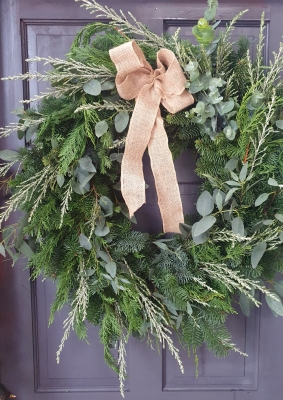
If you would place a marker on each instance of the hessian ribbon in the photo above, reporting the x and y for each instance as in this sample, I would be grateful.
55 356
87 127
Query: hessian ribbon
166 85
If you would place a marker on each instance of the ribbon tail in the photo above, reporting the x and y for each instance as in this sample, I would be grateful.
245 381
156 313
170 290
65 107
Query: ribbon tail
141 125
169 199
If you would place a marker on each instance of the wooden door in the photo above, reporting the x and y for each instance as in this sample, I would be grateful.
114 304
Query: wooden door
27 345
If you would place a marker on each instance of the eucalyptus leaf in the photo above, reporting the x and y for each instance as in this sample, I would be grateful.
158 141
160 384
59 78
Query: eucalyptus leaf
114 286
244 302
189 308
232 164
2 250
25 249
233 183
107 85
21 132
234 176
205 203
210 13
102 231
272 182
201 238
102 254
279 123
84 242
230 133
121 121
261 199
230 194
86 164
257 253
274 303
92 87
116 157
225 107
20 232
111 268
219 201
179 321
87 179
203 225
161 245
30 132
279 217
9 155
281 236
267 222
100 128
185 229
106 204
243 172
278 287
77 188
60 180
107 277
238 226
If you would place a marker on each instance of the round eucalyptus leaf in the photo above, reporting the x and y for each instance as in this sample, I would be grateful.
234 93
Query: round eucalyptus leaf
210 13
121 121
229 133
100 128
279 123
92 87
205 203
86 164
107 85
84 242
102 231
9 155
106 204
279 217
203 225
111 268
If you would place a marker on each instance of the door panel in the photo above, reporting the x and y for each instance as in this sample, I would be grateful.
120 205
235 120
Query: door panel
27 346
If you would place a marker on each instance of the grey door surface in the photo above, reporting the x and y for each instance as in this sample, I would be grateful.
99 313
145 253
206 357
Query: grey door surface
27 345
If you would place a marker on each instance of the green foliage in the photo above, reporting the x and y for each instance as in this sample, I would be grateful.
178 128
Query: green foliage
76 228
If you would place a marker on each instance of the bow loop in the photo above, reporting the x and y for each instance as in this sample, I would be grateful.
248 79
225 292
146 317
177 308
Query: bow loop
136 79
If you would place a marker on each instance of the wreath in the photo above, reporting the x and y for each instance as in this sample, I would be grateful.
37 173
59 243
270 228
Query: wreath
78 182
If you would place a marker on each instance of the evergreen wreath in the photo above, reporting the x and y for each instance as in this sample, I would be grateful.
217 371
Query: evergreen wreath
76 228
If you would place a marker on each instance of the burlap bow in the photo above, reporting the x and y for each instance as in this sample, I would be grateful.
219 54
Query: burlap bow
137 80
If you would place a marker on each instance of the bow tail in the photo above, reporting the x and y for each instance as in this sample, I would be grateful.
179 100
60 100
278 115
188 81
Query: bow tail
169 199
141 125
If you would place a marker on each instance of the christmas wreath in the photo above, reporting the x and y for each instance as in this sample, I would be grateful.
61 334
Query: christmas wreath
79 181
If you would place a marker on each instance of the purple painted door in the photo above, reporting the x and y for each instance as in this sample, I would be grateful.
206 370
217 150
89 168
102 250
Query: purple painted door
27 345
